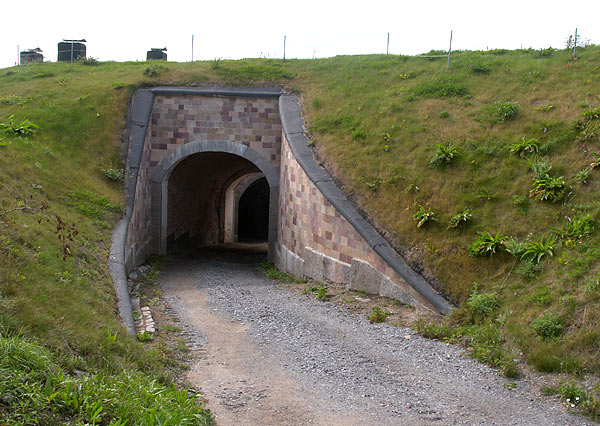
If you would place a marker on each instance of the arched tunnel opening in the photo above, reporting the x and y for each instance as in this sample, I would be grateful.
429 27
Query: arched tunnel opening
253 212
215 198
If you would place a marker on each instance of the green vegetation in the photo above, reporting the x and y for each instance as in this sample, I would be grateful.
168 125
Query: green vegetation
319 291
378 314
376 120
273 274
423 215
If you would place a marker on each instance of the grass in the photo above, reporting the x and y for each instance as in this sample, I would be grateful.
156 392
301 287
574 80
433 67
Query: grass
376 120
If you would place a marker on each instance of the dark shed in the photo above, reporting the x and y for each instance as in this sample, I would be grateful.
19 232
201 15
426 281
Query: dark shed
32 56
156 54
64 51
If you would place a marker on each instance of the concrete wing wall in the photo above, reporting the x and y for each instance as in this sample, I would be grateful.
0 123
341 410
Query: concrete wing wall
321 234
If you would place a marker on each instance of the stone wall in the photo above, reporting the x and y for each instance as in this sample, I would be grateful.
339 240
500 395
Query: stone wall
315 240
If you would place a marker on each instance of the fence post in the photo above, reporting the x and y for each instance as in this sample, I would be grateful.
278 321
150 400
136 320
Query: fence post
575 45
450 50
387 50
284 39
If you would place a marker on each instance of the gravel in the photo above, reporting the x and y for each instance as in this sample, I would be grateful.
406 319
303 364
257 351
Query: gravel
345 362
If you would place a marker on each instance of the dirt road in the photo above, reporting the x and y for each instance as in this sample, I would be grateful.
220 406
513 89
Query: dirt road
268 356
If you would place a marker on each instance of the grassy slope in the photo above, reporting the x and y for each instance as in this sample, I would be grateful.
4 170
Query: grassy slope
82 114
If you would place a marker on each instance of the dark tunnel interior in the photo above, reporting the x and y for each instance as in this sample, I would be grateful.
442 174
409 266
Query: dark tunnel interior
253 214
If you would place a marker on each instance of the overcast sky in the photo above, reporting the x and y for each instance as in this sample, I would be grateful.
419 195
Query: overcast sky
124 30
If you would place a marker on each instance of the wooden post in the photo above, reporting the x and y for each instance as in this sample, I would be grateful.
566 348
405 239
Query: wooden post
575 45
387 50
450 50
284 40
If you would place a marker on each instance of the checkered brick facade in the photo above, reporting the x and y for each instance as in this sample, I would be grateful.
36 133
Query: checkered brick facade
254 122
308 219
179 119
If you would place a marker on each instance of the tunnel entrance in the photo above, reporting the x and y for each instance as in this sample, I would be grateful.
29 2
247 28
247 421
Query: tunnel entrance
197 200
253 212
195 194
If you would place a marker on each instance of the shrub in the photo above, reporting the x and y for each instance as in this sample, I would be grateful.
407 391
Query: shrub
525 147
441 88
535 251
486 243
443 155
423 216
89 61
547 188
549 326
498 112
483 303
460 218
378 314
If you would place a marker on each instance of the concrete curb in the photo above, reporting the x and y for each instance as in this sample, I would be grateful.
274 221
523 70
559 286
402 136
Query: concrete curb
293 127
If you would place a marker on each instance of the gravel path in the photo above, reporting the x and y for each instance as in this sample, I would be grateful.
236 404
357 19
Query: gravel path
265 356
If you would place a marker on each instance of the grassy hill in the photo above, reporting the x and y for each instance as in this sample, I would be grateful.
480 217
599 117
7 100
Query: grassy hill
402 135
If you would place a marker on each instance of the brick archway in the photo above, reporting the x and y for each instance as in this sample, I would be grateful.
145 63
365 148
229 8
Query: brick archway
160 182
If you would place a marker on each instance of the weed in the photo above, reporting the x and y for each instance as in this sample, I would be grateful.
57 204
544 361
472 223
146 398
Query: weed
592 286
544 108
575 228
155 70
525 147
548 326
24 129
498 112
378 314
359 134
596 162
521 202
483 303
444 114
114 174
460 219
170 328
573 394
412 188
423 215
319 291
145 336
535 251
583 175
548 188
443 155
539 166
13 100
486 244
443 87
374 183
515 247
317 103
